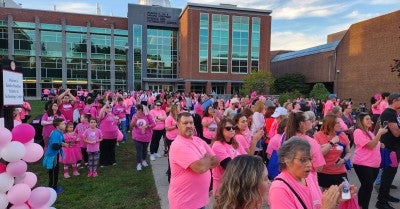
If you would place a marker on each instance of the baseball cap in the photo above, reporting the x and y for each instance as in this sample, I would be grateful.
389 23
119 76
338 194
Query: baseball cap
234 100
269 103
279 111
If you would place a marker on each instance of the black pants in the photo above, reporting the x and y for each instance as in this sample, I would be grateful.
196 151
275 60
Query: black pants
155 140
107 152
169 142
53 175
84 156
388 175
367 176
141 151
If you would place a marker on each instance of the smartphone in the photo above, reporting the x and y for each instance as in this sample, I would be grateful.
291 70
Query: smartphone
385 123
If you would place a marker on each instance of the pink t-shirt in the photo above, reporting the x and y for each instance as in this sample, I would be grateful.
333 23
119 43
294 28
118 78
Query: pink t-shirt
274 143
188 189
328 107
242 141
318 159
46 91
93 135
119 111
79 129
343 126
47 129
109 126
170 121
160 124
382 106
139 134
273 130
281 197
128 103
223 151
210 131
67 109
333 154
198 110
362 154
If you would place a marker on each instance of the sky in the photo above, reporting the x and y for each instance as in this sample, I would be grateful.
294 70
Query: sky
296 24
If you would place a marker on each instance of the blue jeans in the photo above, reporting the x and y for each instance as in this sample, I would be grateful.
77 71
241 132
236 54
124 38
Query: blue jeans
122 127
378 178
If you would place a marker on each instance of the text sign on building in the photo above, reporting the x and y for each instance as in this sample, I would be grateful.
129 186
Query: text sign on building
160 18
13 93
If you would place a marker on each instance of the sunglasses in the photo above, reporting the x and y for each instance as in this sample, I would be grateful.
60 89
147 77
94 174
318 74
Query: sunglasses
230 128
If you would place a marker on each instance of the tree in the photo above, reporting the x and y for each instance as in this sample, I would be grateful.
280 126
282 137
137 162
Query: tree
319 92
290 83
284 97
260 81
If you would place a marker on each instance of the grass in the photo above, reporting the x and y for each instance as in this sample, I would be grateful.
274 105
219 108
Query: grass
119 186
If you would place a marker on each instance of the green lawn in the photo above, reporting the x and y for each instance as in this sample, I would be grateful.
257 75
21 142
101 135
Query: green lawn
119 186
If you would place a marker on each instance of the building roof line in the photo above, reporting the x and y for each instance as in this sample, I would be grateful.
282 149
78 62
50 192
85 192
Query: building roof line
225 7
304 52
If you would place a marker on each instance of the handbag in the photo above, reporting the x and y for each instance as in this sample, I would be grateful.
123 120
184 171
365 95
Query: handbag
273 163
350 204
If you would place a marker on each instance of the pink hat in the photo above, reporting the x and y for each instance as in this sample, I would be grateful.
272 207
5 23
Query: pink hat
377 96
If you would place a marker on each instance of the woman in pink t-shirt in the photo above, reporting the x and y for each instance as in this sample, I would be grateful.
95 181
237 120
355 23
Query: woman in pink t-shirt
225 148
209 123
295 164
276 141
159 117
47 122
333 143
243 136
170 125
245 184
298 124
109 127
367 157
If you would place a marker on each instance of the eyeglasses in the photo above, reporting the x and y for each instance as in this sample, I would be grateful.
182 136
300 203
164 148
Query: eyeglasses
304 160
230 128
158 104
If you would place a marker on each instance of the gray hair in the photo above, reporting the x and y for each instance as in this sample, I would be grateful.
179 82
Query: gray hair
290 148
336 110
311 115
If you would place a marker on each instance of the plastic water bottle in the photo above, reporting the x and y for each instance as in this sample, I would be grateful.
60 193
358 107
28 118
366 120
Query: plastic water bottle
346 190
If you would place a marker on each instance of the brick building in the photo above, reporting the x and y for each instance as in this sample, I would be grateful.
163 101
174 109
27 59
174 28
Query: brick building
355 64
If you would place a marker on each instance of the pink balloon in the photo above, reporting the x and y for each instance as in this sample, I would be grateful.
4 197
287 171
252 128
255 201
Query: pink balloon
5 136
120 136
13 151
23 133
33 152
17 168
53 197
2 168
30 179
18 194
39 197
22 206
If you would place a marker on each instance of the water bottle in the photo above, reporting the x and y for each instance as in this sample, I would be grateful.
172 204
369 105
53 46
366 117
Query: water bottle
346 190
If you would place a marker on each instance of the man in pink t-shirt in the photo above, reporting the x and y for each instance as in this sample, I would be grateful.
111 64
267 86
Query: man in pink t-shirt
191 160
66 102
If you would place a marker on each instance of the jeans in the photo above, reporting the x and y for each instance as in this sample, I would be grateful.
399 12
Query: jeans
122 127
388 175
378 178
141 151
366 175
155 140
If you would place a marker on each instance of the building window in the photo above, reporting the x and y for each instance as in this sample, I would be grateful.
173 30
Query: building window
137 55
51 43
218 88
240 44
162 53
3 38
255 44
219 43
203 42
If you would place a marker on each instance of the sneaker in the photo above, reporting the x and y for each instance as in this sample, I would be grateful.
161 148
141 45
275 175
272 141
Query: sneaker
114 164
76 173
393 186
94 174
390 198
117 143
139 167
144 163
152 157
66 175
158 155
59 190
383 205
90 174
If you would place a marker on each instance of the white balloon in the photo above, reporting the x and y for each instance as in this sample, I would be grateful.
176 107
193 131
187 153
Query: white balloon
5 136
53 197
3 201
6 182
13 151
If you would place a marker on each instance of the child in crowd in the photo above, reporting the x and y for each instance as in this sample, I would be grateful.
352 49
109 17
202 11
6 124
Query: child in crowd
92 138
50 159
72 152
79 129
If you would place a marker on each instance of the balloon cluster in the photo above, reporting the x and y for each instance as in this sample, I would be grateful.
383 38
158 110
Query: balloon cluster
16 184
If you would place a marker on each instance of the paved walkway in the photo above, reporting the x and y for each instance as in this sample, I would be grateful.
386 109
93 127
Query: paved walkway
160 165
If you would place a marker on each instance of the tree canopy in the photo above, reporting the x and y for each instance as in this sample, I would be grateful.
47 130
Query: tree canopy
260 81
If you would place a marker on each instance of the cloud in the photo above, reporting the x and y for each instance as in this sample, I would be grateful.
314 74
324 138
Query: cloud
289 40
76 7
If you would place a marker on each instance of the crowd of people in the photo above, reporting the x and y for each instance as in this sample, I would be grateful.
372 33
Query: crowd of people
224 146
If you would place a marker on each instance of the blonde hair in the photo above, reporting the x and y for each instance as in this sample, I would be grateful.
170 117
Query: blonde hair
259 106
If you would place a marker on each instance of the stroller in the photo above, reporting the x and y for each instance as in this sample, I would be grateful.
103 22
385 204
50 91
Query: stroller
36 123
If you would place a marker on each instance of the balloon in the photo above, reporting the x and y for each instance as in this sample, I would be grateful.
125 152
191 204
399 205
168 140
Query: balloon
18 194
120 136
2 167
29 179
5 136
33 152
40 196
13 151
21 206
23 133
53 197
3 201
17 168
6 182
